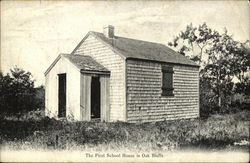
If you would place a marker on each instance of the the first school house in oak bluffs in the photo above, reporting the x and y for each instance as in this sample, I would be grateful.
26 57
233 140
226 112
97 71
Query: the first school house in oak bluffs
112 78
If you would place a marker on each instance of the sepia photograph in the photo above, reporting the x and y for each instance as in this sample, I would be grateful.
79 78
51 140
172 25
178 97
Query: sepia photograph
125 81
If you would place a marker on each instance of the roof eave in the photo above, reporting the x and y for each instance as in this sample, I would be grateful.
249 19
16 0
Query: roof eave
95 72
150 60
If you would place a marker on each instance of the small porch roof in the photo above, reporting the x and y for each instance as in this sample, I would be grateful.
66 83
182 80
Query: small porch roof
83 62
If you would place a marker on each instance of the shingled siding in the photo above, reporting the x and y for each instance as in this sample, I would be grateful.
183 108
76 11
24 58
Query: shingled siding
116 65
144 100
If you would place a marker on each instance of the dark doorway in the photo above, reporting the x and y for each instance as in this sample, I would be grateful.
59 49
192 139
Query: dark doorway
62 95
95 97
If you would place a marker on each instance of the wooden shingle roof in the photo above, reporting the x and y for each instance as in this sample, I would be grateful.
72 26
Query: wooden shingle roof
85 63
137 49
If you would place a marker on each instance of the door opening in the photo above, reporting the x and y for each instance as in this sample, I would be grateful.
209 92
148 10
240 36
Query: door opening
95 97
61 95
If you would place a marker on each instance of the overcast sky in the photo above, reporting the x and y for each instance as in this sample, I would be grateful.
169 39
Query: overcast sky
34 33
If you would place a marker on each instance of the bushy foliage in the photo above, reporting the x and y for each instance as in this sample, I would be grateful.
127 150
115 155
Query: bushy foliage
17 92
40 97
243 87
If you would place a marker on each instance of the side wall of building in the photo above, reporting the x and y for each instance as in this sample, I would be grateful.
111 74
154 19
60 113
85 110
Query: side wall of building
144 100
72 89
116 65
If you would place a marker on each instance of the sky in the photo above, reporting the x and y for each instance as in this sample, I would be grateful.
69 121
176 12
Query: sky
34 33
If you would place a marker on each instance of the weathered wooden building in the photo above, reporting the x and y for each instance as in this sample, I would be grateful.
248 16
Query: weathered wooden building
115 78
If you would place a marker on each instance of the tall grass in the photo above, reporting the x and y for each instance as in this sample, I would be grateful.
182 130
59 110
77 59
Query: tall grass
215 133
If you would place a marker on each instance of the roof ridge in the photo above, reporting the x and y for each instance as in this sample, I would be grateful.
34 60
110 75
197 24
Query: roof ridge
131 39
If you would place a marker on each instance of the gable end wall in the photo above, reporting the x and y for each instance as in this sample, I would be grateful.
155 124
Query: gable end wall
72 89
116 65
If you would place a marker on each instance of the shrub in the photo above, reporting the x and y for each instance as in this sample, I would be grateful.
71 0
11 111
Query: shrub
17 93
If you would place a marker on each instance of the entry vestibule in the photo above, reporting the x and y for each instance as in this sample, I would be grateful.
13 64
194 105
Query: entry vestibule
94 99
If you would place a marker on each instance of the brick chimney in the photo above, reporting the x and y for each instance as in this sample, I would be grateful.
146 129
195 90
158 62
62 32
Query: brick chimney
109 31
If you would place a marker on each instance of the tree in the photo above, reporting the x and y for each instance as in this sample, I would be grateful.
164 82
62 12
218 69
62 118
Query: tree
227 58
221 57
194 41
241 64
16 91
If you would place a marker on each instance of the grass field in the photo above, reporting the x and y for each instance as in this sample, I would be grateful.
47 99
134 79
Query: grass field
218 132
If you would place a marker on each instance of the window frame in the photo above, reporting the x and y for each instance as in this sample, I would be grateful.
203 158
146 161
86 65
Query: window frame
167 91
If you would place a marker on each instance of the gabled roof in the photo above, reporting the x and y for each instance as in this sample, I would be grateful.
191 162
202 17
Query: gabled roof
137 49
82 62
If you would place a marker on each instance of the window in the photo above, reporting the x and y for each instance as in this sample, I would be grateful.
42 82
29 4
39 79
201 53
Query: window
167 81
